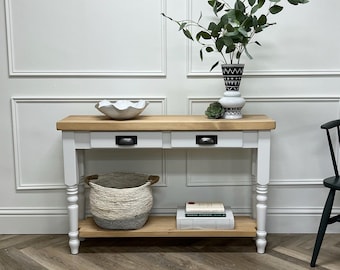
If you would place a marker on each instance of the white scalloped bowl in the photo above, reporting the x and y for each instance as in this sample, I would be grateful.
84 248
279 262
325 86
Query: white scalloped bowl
121 109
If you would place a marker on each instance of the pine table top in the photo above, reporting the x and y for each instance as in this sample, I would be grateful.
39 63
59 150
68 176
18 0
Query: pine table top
164 123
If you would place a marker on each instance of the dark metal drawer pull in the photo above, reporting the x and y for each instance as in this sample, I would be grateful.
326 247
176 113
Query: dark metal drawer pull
126 140
206 139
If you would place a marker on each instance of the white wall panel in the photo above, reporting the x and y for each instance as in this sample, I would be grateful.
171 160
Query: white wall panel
37 143
299 152
216 167
85 37
288 48
180 188
299 158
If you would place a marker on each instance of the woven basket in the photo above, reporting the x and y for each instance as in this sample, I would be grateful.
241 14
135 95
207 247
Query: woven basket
121 201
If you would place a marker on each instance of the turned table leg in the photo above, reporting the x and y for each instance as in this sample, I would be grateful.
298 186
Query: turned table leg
261 208
71 174
262 179
72 199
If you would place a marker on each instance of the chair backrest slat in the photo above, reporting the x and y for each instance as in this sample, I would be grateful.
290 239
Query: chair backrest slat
328 126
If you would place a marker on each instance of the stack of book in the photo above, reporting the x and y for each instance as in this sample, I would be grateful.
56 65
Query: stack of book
204 215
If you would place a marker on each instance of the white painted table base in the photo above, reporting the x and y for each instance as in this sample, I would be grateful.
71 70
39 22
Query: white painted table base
77 136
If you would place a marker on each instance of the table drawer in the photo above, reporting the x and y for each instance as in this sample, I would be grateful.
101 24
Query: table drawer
207 139
126 140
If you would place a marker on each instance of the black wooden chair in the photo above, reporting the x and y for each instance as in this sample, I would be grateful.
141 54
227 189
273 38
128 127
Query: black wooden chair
333 183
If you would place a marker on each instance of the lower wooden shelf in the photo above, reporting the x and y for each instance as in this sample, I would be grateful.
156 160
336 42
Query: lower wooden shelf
165 226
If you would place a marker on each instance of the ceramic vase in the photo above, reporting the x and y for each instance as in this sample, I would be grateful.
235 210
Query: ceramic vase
232 100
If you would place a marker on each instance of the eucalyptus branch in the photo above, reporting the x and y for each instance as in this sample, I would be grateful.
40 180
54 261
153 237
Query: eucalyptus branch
236 28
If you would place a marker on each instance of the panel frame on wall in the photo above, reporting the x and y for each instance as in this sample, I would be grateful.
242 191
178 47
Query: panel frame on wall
260 72
196 105
157 106
158 71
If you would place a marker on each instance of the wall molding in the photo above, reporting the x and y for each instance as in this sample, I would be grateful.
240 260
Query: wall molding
49 211
292 211
296 182
263 73
196 100
236 181
297 220
57 183
292 72
15 71
196 104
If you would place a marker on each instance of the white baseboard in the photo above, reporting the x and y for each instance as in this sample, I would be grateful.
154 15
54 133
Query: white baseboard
292 223
34 224
38 220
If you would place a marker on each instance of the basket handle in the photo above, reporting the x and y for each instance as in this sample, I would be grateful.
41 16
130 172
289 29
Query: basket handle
88 179
153 179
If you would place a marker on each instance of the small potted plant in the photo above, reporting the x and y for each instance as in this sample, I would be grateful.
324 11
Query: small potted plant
233 27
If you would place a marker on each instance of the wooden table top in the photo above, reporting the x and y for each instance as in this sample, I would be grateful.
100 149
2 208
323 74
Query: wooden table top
164 123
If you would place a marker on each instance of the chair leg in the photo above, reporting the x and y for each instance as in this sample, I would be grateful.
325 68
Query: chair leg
323 226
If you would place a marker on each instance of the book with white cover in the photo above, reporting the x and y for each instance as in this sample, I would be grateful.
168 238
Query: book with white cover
204 223
204 208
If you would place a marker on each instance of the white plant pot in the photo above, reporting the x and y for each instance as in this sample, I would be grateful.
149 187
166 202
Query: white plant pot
233 104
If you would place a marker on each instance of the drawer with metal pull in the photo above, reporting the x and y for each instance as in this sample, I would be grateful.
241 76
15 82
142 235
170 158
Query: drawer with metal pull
126 140
214 139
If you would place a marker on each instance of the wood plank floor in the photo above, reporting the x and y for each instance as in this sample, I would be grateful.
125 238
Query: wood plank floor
51 252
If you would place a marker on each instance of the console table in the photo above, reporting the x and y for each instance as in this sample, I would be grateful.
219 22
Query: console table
80 132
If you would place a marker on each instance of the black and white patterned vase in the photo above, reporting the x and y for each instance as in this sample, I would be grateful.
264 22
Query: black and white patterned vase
232 100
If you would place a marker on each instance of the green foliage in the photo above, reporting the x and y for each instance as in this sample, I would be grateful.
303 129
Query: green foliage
215 110
234 26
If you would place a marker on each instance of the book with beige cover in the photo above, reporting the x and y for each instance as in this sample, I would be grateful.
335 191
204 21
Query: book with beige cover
204 208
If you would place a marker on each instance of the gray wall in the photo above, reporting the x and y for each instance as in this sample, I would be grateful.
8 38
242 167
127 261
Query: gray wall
61 57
